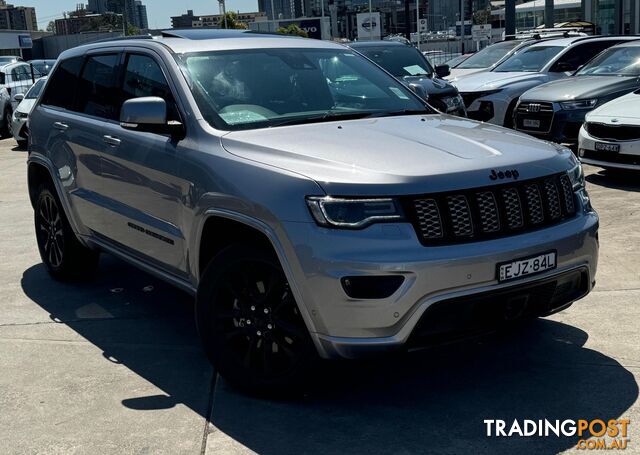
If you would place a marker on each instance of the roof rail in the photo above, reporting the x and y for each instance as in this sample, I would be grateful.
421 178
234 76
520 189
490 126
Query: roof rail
213 33
124 38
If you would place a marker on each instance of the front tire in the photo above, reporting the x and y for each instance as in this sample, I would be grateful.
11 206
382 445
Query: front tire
8 119
250 324
62 254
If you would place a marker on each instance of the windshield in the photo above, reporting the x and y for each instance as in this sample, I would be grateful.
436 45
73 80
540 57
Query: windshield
257 88
399 60
621 61
35 90
532 59
489 56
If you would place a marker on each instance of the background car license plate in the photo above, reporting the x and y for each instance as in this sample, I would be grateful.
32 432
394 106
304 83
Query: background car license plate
528 266
602 147
530 123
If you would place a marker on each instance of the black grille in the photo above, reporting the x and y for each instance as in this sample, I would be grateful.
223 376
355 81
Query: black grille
613 132
542 112
491 212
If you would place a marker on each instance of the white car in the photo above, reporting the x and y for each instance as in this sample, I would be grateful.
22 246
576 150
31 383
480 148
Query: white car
21 114
491 96
610 137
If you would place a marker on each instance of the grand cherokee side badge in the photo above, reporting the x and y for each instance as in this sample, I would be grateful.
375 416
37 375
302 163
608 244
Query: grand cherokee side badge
511 174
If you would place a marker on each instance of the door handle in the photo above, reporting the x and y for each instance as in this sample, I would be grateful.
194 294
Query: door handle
112 141
61 126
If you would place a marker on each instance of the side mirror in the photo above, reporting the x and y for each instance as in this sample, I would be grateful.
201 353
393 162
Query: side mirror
147 114
19 97
420 91
443 71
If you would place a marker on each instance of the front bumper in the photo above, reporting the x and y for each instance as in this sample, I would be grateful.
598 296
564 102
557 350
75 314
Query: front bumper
561 126
18 126
490 108
628 157
349 327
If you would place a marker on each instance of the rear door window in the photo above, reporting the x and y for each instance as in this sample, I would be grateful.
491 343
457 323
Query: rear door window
98 88
580 54
63 84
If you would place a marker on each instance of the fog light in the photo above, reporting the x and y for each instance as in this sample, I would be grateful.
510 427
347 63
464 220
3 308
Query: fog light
371 287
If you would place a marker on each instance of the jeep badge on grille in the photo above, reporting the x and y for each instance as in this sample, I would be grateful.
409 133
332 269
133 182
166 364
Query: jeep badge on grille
511 174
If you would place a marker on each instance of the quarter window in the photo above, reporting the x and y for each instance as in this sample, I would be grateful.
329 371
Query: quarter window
97 92
62 84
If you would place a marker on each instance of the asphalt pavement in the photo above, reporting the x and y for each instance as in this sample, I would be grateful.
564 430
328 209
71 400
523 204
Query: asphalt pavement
114 365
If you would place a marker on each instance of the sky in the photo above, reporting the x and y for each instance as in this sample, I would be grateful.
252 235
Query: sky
158 11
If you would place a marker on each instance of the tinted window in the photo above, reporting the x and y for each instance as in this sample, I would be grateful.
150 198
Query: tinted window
63 83
20 73
579 55
532 59
489 55
398 60
98 92
143 77
617 61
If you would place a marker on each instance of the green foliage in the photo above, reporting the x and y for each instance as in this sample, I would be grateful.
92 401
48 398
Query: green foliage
232 21
293 29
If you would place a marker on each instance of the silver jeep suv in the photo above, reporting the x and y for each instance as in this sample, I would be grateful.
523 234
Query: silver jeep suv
312 203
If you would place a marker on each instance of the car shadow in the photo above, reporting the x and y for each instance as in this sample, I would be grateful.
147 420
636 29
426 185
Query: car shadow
432 401
617 180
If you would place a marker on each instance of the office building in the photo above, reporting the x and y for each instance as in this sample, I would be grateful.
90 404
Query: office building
17 17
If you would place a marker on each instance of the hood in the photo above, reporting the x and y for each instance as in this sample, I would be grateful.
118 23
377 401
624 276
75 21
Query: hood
457 73
491 80
398 155
621 111
580 87
435 87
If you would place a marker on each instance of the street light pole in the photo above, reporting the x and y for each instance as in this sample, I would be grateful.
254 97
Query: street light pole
418 22
370 23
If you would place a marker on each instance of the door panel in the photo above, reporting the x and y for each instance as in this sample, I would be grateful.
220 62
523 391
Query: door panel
141 174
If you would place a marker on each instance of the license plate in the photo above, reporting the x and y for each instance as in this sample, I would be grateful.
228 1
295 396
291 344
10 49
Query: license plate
612 148
530 123
527 266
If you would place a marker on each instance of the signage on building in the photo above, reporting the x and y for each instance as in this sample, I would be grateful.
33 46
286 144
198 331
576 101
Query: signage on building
369 27
25 41
481 32
467 28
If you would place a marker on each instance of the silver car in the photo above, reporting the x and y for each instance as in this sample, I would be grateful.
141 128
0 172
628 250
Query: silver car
19 127
313 205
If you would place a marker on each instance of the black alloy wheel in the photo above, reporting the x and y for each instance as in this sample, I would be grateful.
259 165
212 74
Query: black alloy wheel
250 324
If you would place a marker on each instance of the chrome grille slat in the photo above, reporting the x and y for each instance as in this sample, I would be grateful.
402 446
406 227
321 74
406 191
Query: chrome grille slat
492 212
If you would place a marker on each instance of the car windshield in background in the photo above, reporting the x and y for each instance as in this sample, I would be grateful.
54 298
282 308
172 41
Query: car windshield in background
489 56
35 90
257 88
455 61
42 69
620 61
532 59
398 60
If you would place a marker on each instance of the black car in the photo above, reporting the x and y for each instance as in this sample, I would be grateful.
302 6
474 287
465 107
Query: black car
556 110
408 64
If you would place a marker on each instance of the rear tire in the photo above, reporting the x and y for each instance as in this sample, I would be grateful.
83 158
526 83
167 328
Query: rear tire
62 254
250 324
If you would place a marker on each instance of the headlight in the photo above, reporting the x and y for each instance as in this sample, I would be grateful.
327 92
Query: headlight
578 104
576 175
353 213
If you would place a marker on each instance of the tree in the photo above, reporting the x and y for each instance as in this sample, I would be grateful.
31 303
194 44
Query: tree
293 29
132 30
231 21
51 26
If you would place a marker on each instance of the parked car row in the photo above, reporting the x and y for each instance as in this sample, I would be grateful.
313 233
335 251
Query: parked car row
547 88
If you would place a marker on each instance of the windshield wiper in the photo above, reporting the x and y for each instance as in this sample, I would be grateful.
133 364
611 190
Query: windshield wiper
331 116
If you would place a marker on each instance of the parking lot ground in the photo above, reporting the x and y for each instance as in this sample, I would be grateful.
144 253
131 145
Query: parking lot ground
114 365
